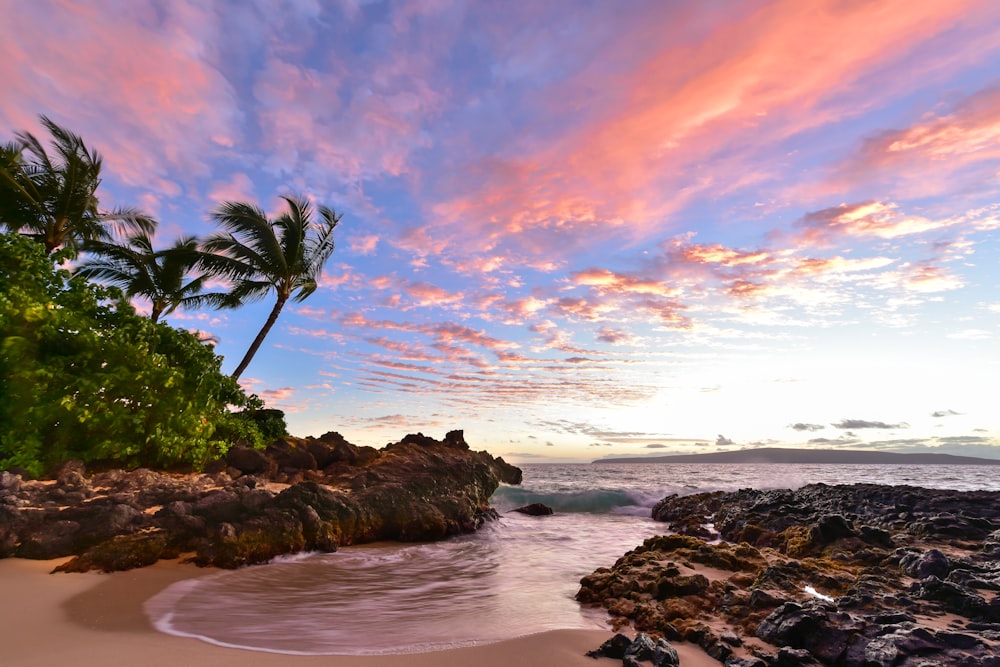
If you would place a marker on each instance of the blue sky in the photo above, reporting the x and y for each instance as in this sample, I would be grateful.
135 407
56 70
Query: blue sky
575 229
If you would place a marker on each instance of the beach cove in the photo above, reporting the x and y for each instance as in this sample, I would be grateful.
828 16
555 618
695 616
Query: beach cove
93 619
601 512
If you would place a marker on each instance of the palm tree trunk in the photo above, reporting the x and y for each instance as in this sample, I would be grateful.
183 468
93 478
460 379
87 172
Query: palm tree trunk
271 319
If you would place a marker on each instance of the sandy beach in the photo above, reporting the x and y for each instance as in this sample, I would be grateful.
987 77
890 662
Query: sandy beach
98 619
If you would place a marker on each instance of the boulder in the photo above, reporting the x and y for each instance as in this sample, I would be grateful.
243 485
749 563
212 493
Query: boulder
535 509
248 461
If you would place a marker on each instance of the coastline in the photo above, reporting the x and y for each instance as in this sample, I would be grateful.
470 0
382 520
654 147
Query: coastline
95 619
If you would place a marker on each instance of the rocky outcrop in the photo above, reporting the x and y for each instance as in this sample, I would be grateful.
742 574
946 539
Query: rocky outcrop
634 652
299 494
853 576
535 509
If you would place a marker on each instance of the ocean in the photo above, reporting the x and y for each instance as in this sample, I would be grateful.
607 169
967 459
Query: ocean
514 577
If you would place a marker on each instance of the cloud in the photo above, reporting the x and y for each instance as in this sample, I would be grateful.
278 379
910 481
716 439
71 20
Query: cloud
363 244
971 334
838 442
932 154
614 336
149 67
656 446
632 155
944 413
799 426
723 441
238 187
856 424
871 219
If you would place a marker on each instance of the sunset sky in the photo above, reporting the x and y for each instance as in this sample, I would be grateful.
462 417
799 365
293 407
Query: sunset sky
574 229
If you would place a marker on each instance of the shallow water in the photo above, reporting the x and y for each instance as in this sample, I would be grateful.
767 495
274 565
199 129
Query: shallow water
515 577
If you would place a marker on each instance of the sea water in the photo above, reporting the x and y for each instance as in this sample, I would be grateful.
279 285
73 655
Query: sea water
514 577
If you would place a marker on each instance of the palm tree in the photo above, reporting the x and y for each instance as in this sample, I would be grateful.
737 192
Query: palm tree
162 276
284 255
53 198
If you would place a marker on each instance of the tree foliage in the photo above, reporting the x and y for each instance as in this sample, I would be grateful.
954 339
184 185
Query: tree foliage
82 376
284 255
53 197
162 276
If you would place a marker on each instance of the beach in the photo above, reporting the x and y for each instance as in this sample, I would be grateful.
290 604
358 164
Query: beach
97 619
515 582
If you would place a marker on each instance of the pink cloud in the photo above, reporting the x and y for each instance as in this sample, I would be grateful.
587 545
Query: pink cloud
752 78
925 277
363 244
604 280
358 118
427 295
930 154
281 395
145 65
873 219
238 187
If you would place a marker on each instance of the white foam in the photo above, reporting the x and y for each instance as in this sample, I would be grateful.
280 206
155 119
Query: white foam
816 594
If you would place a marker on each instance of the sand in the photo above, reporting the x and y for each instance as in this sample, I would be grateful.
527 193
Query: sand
97 619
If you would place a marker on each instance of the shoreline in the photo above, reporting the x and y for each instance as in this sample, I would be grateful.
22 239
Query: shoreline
95 619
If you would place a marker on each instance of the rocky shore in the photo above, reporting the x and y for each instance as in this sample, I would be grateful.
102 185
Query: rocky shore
297 495
853 576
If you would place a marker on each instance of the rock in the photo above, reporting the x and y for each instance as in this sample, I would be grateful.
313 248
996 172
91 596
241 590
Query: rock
833 527
9 483
731 638
794 657
744 662
417 489
51 540
534 509
614 647
665 655
122 552
763 599
930 563
875 536
859 545
641 648
248 461
954 598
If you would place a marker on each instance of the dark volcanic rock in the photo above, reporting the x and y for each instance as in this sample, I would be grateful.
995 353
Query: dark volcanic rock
825 575
248 461
535 509
414 490
641 650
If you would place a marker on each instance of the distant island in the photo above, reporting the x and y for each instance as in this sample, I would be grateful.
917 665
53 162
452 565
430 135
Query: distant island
788 455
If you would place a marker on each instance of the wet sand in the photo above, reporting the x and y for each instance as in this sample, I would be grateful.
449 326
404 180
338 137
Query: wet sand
98 619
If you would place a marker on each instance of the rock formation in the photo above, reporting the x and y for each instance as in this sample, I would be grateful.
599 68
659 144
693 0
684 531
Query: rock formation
853 576
535 509
298 495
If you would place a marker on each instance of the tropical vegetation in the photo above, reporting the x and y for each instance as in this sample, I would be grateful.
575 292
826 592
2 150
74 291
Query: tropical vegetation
82 375
164 277
284 255
53 198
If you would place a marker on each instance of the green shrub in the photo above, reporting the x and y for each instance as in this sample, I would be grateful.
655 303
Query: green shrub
82 376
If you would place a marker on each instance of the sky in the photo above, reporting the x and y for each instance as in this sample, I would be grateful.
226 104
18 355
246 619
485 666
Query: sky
574 229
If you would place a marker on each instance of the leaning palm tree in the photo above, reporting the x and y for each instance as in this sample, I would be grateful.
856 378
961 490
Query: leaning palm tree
164 277
53 198
284 255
